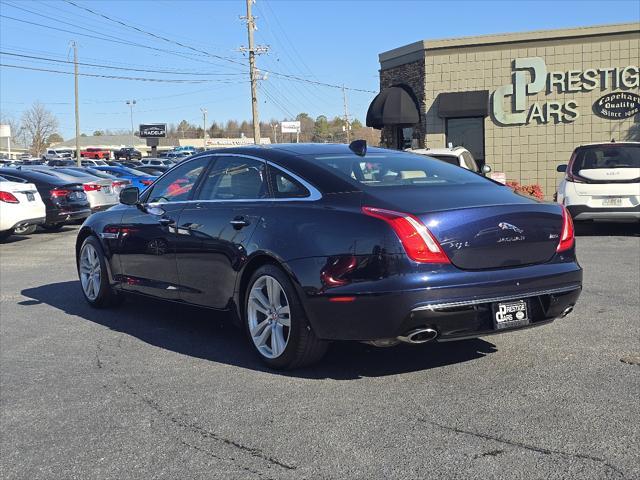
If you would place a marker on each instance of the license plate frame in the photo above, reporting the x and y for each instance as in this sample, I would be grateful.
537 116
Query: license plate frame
511 314
612 202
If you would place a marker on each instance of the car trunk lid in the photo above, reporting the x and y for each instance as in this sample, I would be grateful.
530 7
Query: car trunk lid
484 226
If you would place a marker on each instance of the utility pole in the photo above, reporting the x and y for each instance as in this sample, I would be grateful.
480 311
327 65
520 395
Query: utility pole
253 74
131 103
75 75
347 125
204 127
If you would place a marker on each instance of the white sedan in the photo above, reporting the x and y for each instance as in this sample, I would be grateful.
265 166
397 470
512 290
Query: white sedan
21 208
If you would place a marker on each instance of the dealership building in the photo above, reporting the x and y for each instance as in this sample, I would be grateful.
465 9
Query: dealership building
520 102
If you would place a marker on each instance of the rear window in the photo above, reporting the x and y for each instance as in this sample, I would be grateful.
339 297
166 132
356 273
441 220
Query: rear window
450 159
609 156
397 169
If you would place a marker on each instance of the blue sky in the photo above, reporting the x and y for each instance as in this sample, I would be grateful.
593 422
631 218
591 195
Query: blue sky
335 42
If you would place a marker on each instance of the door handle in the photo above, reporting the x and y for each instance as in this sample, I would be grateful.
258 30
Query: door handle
240 222
165 221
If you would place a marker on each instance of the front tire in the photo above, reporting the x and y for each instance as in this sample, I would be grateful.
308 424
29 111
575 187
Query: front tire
94 277
276 323
52 227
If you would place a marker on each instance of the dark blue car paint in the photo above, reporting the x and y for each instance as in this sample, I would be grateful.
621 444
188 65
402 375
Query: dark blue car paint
308 238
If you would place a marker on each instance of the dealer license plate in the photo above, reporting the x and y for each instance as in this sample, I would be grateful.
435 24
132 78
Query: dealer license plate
30 197
510 314
612 202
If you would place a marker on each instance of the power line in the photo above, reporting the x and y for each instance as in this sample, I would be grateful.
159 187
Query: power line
115 77
115 67
227 59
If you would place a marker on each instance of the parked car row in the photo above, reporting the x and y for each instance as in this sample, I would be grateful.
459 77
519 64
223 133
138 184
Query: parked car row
32 195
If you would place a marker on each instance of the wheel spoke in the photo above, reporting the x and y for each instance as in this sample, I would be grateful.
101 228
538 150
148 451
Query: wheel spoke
273 292
284 317
262 339
260 299
277 340
255 331
96 283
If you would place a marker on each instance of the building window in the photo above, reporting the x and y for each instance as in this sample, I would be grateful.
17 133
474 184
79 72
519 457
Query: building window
467 133
404 137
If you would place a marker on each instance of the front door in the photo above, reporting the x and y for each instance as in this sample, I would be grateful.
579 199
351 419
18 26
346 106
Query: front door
148 236
215 231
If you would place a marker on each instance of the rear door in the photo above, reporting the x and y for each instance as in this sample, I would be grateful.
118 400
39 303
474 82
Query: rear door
148 233
215 229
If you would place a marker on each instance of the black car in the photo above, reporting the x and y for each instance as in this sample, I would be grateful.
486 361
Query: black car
64 201
61 162
308 243
127 153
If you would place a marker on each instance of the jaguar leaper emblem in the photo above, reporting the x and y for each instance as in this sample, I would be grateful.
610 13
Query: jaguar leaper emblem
508 226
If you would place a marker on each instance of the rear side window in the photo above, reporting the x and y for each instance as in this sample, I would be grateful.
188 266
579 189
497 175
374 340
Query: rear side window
178 185
234 178
285 186
609 156
398 169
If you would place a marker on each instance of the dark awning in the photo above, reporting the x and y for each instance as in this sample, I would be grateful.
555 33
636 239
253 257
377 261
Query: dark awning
463 104
393 106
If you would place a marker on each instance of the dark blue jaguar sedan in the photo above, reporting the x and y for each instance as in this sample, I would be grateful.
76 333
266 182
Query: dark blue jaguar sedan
309 243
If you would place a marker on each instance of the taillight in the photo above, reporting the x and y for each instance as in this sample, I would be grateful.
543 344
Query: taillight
146 182
91 187
59 192
416 239
567 238
119 183
8 197
570 177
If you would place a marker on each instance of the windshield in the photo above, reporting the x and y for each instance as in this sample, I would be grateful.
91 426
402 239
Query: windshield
398 169
609 156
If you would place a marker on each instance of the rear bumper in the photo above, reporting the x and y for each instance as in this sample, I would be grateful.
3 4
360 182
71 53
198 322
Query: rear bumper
457 305
584 212
29 221
63 215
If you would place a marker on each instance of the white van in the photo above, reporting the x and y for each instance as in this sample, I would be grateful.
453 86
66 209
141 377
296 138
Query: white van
602 182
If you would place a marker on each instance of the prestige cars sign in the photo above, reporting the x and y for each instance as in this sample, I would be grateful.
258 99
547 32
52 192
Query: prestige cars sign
617 105
153 130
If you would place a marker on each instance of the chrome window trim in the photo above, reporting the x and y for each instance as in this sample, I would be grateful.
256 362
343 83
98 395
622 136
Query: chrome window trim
477 301
314 193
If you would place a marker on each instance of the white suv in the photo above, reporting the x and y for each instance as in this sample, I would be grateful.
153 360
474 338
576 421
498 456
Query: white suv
459 156
602 182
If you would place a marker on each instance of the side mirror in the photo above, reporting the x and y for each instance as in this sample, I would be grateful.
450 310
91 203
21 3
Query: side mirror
561 168
130 196
486 169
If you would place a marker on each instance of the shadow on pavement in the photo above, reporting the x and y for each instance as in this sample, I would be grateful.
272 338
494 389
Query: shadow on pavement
211 336
605 229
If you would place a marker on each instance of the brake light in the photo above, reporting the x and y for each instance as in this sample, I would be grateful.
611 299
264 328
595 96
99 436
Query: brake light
416 239
120 183
91 187
8 197
59 192
146 182
567 238
570 177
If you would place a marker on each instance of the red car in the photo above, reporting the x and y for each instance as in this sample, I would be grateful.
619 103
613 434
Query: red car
95 152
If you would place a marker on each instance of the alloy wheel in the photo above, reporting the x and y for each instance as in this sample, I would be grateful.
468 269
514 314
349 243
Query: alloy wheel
269 316
90 272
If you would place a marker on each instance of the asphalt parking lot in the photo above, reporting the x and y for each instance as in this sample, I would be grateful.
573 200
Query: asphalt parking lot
152 390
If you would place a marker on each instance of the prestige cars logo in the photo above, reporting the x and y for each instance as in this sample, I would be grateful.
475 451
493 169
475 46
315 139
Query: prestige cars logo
541 80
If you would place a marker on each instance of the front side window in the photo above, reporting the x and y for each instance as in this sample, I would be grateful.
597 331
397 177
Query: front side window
234 178
178 185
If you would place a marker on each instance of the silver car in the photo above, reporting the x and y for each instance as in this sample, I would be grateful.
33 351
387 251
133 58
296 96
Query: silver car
117 184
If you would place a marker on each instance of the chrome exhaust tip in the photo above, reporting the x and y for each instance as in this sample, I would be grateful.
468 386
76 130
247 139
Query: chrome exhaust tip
566 311
419 335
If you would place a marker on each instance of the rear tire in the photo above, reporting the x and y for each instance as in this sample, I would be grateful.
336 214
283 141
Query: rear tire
28 230
275 322
94 276
53 227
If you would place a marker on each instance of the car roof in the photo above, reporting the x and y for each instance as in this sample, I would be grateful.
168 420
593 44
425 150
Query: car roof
608 144
36 176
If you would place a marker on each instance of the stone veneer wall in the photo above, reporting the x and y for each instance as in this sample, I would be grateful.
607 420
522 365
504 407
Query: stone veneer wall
413 75
530 153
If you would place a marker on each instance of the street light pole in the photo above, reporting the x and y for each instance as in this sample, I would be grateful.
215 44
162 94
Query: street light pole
204 127
131 103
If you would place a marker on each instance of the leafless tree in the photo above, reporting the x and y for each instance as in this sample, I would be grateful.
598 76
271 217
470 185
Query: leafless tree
38 123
